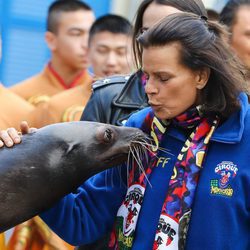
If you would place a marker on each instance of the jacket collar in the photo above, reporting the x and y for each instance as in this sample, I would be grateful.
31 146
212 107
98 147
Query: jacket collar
133 94
232 130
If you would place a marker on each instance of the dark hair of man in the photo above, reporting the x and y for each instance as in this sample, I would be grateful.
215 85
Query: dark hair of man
194 6
202 46
60 6
111 23
229 12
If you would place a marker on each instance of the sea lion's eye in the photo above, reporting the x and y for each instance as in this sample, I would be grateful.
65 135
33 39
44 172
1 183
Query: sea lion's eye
107 135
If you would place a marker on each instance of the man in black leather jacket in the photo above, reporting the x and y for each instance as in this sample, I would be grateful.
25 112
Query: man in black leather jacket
115 98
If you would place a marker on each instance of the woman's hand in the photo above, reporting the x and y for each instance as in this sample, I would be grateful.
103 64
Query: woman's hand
11 136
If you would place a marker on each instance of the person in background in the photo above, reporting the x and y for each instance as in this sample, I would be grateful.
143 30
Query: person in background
110 40
214 8
10 116
236 16
113 101
68 25
110 43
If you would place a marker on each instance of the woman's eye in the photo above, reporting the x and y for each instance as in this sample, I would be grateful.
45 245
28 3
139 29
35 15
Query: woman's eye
164 79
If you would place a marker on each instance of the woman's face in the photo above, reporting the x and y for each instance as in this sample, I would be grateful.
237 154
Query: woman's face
155 12
171 87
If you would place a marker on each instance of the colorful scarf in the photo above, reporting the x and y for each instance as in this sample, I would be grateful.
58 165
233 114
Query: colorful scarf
173 223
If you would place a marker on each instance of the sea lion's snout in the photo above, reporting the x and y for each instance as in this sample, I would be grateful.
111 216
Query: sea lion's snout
120 141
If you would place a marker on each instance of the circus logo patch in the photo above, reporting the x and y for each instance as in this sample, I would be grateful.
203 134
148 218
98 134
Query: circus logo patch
128 214
167 234
226 170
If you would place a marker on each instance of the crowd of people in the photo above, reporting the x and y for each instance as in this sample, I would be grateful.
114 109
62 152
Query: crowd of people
186 84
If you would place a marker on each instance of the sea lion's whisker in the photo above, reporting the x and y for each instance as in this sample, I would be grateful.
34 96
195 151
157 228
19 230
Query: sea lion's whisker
128 165
138 154
148 149
129 155
141 168
136 158
150 145
142 149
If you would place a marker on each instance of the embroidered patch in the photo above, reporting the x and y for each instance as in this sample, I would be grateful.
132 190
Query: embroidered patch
227 170
167 234
128 214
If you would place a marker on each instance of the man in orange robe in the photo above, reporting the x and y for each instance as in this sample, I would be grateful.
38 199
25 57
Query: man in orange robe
109 53
68 25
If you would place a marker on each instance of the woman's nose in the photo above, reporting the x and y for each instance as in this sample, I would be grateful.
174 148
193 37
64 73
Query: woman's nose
150 87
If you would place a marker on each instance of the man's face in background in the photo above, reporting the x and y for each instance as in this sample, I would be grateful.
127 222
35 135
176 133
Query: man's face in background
110 53
240 40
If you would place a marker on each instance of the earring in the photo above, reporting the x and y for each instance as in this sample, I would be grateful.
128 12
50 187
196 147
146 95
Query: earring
199 86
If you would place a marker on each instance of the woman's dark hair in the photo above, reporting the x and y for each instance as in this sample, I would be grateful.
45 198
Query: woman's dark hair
194 6
229 12
202 45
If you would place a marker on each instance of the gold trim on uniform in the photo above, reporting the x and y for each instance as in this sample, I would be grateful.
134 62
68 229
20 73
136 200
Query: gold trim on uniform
37 99
70 114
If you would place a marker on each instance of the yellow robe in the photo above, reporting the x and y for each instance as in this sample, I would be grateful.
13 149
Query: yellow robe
2 242
14 109
41 87
63 107
34 234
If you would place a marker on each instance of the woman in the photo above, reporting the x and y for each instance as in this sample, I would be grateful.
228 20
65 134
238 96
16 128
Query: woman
194 194
197 115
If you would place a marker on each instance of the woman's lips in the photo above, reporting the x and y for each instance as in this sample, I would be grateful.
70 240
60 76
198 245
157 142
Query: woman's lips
154 105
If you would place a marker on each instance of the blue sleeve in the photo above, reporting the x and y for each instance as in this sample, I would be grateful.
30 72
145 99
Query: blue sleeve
86 215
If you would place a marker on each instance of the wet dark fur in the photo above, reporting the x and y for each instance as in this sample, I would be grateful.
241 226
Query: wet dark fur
54 161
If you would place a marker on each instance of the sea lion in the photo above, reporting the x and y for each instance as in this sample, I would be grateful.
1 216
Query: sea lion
54 161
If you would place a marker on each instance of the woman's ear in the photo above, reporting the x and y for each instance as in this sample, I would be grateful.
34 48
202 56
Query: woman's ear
202 78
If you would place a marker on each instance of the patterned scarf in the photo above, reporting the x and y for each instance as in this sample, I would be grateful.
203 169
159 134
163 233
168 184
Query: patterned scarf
174 219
